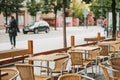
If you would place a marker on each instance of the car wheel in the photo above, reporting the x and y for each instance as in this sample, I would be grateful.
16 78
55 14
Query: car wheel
24 32
47 30
35 31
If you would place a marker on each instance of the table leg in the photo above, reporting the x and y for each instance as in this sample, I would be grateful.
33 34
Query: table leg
0 74
47 67
85 54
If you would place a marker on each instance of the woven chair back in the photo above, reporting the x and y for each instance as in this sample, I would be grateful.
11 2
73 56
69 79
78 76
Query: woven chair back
93 54
70 77
26 71
76 58
116 65
59 64
104 51
117 46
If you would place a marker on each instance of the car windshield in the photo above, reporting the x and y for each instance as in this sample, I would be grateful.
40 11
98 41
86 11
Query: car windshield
36 23
31 24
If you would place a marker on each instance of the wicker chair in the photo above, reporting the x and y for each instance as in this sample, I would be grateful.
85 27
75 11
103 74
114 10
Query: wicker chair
117 48
108 72
105 72
11 73
115 63
78 60
27 73
92 56
105 54
107 51
73 77
59 66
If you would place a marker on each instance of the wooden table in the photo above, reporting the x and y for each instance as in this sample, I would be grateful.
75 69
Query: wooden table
47 58
85 49
108 43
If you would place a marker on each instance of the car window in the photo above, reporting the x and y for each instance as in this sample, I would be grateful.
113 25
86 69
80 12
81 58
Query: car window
36 24
44 23
31 24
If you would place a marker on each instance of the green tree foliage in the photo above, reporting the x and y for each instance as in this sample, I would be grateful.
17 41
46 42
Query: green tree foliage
77 8
104 6
33 7
100 7
46 6
87 1
8 7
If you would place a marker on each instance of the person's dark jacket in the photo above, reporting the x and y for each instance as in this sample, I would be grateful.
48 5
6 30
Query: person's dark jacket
13 28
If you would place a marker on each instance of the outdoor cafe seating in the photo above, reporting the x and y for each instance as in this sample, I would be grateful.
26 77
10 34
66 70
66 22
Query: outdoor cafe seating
115 63
84 56
8 74
88 56
117 48
111 71
27 72
74 76
78 61
60 66
60 61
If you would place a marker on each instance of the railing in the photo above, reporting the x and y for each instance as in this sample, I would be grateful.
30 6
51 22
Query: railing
13 55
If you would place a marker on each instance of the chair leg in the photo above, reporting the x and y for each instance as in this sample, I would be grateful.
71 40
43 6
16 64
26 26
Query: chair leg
73 70
77 68
85 69
92 67
97 62
51 77
41 67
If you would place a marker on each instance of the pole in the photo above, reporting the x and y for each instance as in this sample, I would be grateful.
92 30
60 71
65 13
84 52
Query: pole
114 18
64 26
72 41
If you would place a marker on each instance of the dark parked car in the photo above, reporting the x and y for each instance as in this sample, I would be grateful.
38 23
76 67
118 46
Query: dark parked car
36 27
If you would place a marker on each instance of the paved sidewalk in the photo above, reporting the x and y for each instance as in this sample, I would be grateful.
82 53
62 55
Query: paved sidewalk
43 43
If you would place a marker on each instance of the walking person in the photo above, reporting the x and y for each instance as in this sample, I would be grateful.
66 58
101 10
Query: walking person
13 29
104 24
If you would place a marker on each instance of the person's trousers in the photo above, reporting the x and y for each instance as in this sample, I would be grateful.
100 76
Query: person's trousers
13 40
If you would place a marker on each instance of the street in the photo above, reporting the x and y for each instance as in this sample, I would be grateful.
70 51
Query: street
52 40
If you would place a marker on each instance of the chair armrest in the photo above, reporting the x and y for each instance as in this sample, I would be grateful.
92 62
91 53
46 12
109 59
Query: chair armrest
111 70
84 76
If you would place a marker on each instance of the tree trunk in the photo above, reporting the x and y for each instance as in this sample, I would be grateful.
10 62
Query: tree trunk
64 27
55 19
114 18
17 18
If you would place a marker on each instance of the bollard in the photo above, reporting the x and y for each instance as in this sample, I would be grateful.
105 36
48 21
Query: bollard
116 34
30 46
0 74
72 41
30 49
98 36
